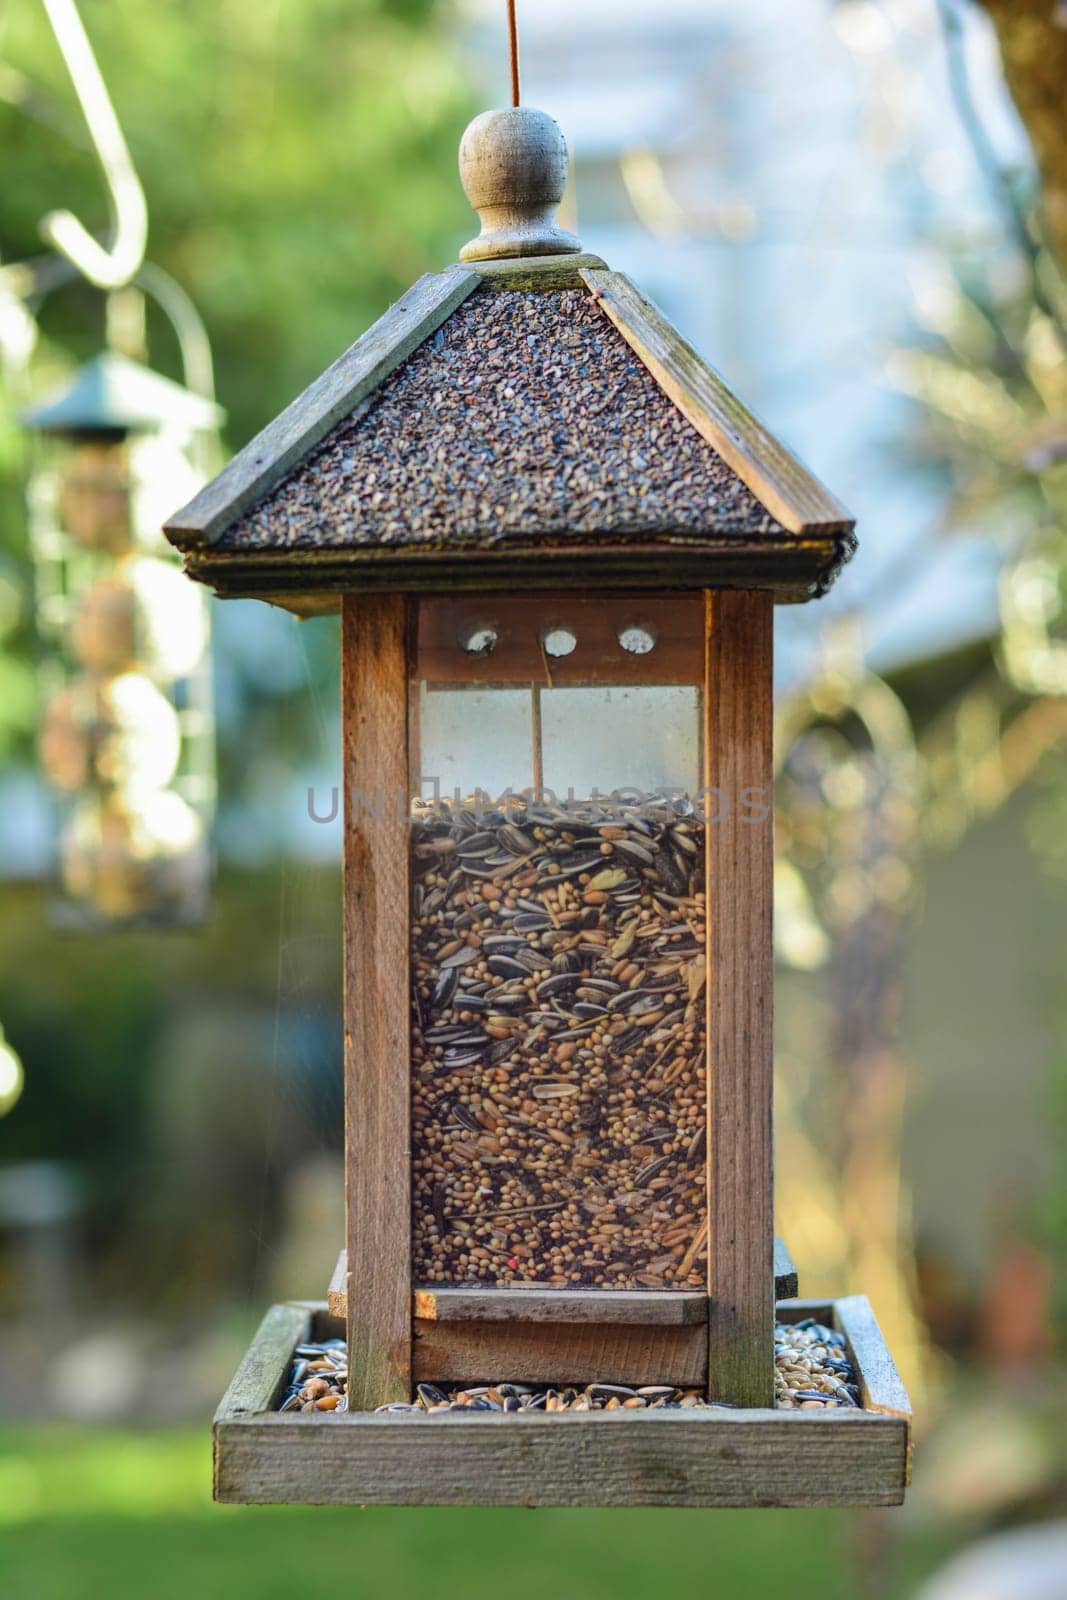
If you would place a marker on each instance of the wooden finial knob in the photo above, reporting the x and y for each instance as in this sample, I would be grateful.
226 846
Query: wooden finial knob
513 165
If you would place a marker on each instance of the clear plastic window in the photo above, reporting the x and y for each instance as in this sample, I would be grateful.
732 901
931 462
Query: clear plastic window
558 960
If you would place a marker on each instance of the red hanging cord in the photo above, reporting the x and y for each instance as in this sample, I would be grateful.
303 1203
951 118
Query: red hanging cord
513 51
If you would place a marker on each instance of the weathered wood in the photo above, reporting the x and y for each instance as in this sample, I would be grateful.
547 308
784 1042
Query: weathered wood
728 1458
513 167
304 606
779 481
786 1281
375 648
738 775
267 458
799 1310
337 1293
540 1352
794 569
612 1306
540 274
676 623
881 1388
605 1307
262 1372
725 1458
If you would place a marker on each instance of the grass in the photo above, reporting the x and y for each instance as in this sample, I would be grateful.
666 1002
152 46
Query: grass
87 1514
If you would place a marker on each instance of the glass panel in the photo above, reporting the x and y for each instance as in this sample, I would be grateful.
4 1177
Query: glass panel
558 968
634 737
474 738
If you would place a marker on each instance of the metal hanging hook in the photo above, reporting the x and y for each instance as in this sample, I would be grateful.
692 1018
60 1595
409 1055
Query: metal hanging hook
113 266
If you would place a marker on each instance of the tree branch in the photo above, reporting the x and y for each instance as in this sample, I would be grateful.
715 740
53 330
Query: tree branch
1033 44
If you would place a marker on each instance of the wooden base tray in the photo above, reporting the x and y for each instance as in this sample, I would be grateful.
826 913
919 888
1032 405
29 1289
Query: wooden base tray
612 1458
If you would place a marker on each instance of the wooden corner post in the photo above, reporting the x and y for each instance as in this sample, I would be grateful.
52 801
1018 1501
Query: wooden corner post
738 775
376 1007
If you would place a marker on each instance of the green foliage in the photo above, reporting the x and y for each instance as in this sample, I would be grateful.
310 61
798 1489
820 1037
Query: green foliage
299 158
991 378
151 1059
299 161
115 1514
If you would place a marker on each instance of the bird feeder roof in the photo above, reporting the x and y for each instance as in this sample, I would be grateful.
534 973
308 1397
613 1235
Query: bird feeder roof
521 420
111 394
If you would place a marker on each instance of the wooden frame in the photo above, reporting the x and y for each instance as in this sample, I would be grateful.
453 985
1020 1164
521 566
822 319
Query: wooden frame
590 1351
614 1336
744 1454
651 571
792 493
675 623
793 572
737 1458
374 687
668 1308
305 422
778 480
738 764
395 1342
795 561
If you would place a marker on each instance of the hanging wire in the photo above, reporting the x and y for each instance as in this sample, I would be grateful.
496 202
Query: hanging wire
513 51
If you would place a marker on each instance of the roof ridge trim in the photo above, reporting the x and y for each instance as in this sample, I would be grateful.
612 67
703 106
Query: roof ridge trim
781 483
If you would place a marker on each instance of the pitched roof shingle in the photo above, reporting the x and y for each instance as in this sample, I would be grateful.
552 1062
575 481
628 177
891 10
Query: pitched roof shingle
526 416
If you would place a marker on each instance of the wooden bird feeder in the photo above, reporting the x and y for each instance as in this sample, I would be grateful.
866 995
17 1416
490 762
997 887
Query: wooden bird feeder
555 538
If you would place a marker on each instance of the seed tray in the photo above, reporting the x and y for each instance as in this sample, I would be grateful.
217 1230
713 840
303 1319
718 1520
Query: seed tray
614 1458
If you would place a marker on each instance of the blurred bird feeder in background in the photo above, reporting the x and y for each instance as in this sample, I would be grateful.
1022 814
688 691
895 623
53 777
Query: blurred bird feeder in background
126 729
556 539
